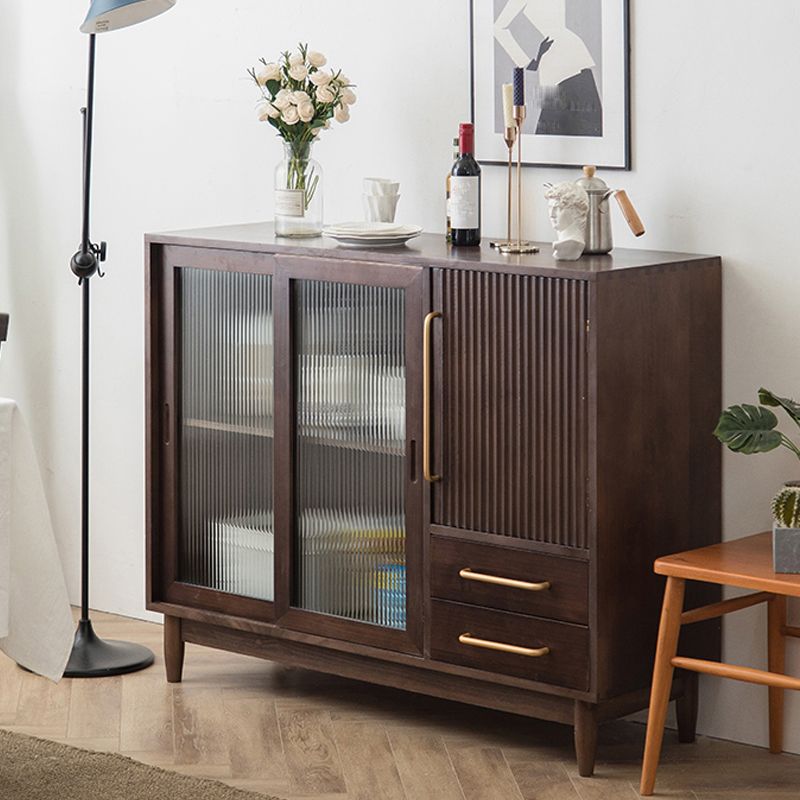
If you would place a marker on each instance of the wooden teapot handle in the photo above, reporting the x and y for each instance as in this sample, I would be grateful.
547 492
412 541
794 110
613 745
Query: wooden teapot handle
629 212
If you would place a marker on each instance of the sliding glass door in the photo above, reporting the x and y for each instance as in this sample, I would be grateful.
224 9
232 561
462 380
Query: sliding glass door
292 438
354 377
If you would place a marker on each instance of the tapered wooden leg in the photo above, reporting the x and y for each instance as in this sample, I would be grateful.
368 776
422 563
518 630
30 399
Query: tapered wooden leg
686 707
585 737
776 644
666 649
173 649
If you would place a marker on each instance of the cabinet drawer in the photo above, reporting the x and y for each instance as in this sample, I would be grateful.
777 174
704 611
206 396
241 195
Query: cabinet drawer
474 573
497 641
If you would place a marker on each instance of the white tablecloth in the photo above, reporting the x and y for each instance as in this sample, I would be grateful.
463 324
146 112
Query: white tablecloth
36 627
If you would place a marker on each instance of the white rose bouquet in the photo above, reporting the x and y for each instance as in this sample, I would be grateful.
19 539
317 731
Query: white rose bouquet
299 98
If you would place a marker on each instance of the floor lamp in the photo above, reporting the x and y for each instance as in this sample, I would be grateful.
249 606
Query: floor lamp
93 657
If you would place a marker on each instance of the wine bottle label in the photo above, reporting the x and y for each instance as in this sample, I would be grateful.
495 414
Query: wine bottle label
464 202
289 202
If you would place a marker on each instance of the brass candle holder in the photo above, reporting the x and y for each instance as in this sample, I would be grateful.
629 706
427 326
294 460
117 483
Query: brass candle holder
519 246
510 138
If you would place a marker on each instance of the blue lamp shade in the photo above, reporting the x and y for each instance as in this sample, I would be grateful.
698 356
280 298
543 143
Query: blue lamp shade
108 15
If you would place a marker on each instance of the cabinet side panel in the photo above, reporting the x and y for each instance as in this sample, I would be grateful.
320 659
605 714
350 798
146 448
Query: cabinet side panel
153 260
658 465
514 407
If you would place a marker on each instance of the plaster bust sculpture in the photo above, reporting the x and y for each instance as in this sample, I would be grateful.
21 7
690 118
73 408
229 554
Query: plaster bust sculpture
569 208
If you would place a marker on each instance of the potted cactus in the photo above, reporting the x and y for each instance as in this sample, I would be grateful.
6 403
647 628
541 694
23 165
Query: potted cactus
752 429
786 528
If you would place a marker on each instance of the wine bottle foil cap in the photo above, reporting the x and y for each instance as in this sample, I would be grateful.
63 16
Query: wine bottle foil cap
466 137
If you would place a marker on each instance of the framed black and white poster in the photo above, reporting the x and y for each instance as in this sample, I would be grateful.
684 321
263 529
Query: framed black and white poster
575 54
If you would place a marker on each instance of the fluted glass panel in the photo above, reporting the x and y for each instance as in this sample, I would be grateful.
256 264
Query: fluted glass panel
351 397
227 540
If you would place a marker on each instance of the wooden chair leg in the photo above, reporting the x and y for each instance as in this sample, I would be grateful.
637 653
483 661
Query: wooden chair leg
585 737
668 633
776 645
686 707
173 649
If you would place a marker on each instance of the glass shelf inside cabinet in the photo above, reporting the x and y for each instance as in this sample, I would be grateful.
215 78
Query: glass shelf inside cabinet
226 538
351 412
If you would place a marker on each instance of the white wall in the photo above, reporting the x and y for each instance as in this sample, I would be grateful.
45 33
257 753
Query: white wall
716 171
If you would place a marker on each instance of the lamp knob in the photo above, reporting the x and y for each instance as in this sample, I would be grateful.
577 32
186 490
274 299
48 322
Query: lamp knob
84 265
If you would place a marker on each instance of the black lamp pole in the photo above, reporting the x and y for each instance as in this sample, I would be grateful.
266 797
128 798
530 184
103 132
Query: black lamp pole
93 657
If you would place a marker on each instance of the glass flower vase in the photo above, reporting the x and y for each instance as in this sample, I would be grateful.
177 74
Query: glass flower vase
298 192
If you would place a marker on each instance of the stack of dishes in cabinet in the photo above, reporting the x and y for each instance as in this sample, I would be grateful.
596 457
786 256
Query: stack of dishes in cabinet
242 555
372 234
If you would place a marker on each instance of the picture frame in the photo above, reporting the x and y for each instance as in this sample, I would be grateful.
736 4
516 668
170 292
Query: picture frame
576 55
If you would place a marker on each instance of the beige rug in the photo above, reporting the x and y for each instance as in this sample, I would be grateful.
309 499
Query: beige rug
33 769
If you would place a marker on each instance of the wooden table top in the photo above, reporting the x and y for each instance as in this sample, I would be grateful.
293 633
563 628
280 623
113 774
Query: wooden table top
743 562
431 250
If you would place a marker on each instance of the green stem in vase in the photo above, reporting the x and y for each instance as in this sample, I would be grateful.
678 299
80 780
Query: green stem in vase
301 177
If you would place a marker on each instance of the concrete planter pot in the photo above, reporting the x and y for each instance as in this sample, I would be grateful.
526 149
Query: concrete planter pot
786 549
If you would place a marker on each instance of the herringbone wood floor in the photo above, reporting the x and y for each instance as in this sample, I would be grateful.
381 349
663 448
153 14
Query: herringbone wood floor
299 734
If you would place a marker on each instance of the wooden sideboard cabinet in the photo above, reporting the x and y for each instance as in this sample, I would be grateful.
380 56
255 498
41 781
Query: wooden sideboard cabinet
446 471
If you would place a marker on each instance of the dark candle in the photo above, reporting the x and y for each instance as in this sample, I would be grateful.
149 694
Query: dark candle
519 86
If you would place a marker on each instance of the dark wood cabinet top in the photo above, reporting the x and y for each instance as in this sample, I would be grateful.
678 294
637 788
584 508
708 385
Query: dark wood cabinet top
428 250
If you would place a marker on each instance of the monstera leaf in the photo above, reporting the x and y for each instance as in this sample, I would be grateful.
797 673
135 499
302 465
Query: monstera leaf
748 429
767 398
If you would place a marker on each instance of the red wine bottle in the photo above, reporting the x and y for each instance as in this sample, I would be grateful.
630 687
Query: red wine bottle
465 192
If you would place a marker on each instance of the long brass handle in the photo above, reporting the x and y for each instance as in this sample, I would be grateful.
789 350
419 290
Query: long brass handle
468 575
426 399
531 652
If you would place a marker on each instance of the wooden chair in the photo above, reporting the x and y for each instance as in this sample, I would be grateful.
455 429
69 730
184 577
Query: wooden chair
745 563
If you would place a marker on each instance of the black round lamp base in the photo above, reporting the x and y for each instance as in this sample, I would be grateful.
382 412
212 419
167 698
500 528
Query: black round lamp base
93 657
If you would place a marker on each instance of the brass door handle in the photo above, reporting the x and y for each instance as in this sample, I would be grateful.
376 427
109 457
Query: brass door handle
468 575
487 644
426 398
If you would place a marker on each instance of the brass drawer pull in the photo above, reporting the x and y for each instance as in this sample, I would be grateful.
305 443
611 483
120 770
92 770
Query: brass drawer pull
531 652
468 575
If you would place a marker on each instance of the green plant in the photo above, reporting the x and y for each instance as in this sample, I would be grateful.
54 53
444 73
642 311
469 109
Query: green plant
752 429
786 506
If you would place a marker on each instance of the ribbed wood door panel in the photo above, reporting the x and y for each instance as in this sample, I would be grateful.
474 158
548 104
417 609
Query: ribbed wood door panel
512 400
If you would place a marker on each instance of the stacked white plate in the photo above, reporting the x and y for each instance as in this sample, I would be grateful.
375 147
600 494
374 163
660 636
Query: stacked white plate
371 234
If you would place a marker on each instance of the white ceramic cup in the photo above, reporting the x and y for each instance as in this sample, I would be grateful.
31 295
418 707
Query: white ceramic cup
380 208
381 187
